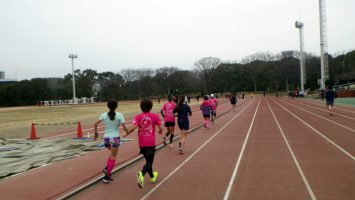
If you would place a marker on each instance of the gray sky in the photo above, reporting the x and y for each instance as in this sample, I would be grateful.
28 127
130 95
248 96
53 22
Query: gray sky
36 36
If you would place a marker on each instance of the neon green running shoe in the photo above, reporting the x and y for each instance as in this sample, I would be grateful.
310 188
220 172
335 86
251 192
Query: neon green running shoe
154 179
140 179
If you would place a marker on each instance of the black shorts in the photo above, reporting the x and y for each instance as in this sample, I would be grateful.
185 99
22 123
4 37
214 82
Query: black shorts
169 124
184 125
331 103
208 116
147 150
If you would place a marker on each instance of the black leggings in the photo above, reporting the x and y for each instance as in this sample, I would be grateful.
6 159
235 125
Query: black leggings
148 153
171 136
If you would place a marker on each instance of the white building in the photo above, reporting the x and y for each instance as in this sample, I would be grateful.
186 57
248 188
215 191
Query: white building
2 75
3 80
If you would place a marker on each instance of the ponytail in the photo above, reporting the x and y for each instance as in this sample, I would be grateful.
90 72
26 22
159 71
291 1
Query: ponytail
112 105
111 114
181 101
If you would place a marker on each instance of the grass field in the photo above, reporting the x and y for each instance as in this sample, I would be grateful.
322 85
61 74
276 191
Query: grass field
15 122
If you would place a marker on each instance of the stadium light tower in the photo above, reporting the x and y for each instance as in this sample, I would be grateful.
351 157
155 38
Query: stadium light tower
323 44
299 25
72 57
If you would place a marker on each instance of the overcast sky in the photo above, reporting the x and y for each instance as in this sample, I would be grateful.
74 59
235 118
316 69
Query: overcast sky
36 36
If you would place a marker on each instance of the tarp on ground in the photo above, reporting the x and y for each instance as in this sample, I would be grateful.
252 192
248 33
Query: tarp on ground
17 156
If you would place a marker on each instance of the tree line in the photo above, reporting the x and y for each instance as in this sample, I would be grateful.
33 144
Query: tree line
257 72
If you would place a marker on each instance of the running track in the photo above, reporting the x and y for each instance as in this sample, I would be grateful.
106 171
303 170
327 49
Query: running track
268 148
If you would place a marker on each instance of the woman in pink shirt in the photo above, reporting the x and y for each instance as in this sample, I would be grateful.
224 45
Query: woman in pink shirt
146 122
169 118
214 104
206 111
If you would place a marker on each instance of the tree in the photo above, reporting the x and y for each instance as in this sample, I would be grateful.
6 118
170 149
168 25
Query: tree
162 79
109 85
204 67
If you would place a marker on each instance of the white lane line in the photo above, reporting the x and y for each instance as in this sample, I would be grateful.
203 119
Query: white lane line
336 108
293 156
234 174
330 141
350 129
327 110
192 155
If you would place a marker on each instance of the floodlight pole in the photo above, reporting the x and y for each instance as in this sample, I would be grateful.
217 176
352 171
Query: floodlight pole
72 57
323 44
299 25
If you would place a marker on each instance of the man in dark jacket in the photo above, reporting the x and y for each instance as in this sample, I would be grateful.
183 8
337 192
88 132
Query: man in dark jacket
330 95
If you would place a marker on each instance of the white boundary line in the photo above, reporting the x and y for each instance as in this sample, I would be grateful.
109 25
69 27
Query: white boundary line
192 155
321 105
350 129
234 174
293 156
327 110
330 141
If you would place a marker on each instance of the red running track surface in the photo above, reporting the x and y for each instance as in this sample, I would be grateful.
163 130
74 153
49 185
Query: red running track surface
268 148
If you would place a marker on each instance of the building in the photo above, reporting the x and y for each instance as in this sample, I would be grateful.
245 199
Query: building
289 54
3 80
2 75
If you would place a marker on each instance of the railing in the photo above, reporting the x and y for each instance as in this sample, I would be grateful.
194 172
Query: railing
348 86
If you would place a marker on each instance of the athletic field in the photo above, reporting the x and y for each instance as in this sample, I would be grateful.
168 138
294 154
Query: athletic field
265 148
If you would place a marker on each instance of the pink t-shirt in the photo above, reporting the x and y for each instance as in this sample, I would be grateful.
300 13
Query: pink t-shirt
168 109
146 123
213 103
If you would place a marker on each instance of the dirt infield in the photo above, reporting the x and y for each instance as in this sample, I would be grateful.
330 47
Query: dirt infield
15 122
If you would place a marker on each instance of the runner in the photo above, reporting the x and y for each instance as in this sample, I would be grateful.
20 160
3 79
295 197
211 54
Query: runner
183 111
330 95
146 122
112 121
214 104
206 111
233 100
169 118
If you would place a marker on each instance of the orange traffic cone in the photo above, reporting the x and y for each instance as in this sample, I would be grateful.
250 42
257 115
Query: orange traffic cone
33 132
79 131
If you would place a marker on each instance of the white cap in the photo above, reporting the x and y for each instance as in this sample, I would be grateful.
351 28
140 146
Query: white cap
212 95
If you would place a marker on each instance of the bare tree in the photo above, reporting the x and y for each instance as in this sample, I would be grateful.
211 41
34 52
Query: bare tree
163 77
129 75
144 73
167 70
261 56
204 67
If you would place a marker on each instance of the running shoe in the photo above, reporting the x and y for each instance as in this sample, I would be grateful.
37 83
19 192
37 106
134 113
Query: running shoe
105 171
106 179
180 151
154 179
140 179
164 140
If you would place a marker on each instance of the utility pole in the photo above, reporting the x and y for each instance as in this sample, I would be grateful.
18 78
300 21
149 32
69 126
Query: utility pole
72 57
